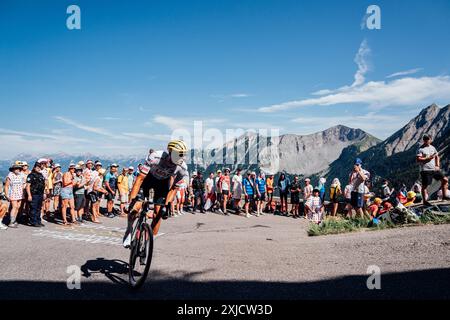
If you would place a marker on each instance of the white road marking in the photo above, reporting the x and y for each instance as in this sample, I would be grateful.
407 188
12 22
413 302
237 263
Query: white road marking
90 238
73 236
159 235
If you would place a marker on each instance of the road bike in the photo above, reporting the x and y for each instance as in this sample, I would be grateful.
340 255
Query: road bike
141 248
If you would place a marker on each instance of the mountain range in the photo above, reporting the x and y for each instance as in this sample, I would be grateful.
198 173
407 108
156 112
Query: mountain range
329 153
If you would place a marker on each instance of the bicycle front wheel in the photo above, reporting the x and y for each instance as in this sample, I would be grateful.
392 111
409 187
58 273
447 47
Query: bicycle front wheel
140 256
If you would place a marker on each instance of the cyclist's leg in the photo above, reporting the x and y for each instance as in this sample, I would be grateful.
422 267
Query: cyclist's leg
156 220
161 193
132 215
136 203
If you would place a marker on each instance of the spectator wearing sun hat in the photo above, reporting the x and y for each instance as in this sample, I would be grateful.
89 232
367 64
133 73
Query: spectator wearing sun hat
79 185
131 177
14 188
22 213
25 170
307 192
374 208
89 175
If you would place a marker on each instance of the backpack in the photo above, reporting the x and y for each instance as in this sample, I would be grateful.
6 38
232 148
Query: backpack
197 184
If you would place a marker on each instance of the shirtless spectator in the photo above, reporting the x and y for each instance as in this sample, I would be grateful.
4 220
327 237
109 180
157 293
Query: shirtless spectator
269 186
224 185
67 195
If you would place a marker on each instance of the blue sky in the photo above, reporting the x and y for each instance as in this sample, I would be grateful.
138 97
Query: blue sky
137 70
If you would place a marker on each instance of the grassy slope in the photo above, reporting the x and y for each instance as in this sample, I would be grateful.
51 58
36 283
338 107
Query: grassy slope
341 225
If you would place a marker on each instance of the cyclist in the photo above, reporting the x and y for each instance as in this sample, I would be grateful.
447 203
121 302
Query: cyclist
161 172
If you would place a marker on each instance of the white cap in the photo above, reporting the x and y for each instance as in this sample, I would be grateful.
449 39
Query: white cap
130 168
42 160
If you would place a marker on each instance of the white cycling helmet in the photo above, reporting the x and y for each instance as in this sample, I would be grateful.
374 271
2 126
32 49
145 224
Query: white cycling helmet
178 151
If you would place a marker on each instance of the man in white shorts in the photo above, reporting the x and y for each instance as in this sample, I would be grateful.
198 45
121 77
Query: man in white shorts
237 190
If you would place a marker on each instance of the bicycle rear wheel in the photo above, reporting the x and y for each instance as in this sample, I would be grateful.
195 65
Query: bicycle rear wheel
140 256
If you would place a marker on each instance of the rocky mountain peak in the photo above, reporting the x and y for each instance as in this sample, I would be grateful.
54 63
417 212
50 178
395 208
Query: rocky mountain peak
432 120
297 154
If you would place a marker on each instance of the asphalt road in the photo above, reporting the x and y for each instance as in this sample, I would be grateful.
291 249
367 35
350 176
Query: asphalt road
216 257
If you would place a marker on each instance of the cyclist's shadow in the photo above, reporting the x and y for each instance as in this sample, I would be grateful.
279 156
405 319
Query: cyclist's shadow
112 269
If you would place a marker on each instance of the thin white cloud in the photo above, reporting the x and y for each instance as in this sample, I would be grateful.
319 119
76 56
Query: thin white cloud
240 95
223 97
404 73
83 127
379 94
169 122
110 118
12 144
146 136
56 137
363 23
361 59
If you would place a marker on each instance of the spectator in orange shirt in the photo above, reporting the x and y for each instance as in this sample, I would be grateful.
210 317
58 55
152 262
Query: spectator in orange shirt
269 188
